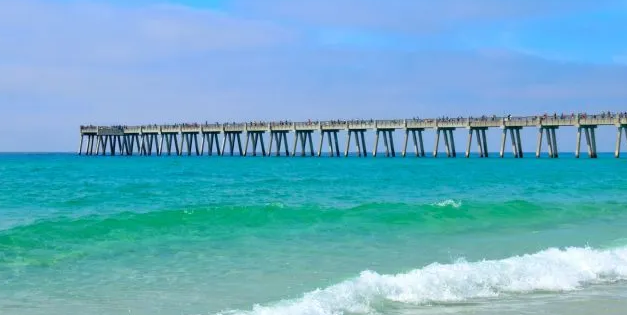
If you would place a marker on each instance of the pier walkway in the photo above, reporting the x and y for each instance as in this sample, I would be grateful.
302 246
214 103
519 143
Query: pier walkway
247 139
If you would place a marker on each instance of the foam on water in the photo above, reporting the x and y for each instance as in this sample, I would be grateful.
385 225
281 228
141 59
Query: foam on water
447 203
552 270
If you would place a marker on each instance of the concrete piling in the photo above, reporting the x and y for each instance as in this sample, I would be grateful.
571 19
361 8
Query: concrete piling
514 146
518 142
469 143
303 137
452 142
437 142
594 142
578 144
539 145
486 153
334 147
551 140
482 143
447 146
619 131
554 147
449 142
404 153
388 142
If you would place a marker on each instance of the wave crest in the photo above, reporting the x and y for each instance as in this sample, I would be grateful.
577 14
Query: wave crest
552 270
447 203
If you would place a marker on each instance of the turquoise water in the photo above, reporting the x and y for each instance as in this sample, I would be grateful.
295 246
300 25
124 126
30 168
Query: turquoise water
201 235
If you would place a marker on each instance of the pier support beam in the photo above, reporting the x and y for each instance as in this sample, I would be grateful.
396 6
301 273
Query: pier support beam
89 145
519 143
619 131
594 142
233 138
404 153
452 143
337 145
150 141
539 142
469 143
129 143
447 147
210 139
554 138
304 136
348 142
514 133
280 139
334 149
360 142
590 140
388 142
256 138
482 142
551 140
449 142
437 143
80 146
376 144
419 147
364 149
95 144
189 141
171 140
578 144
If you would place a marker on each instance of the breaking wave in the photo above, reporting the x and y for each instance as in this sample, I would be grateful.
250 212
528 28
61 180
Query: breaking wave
447 203
551 270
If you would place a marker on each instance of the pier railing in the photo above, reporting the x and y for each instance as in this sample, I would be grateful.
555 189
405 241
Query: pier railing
171 129
234 127
211 128
333 125
307 126
118 131
151 129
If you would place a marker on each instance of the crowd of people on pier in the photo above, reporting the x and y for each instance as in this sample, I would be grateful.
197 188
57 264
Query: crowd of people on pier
444 119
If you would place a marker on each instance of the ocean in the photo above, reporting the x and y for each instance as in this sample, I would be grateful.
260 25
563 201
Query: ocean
312 236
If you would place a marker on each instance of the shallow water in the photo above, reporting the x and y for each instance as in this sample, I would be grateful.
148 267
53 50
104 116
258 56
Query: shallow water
201 235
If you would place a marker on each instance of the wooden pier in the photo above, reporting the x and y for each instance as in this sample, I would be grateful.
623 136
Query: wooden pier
204 139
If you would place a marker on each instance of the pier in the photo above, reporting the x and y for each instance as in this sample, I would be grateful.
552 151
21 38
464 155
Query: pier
247 139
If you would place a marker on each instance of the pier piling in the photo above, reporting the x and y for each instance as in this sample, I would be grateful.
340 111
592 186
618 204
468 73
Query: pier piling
551 141
619 132
482 143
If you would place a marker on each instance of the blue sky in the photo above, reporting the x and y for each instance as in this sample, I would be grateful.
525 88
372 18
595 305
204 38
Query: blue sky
68 62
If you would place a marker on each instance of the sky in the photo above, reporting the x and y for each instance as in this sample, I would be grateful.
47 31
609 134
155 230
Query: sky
64 63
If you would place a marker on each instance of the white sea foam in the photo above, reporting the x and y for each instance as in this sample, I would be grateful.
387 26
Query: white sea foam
447 203
552 270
